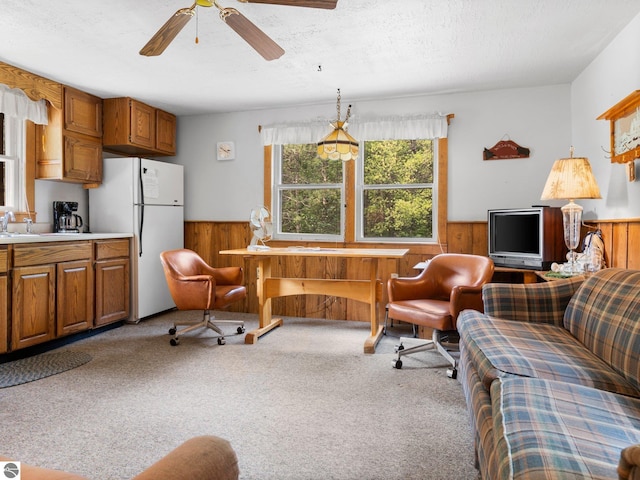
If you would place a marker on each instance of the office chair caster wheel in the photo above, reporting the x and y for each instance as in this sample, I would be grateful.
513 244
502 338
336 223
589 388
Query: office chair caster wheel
452 373
240 330
174 341
221 341
397 364
172 331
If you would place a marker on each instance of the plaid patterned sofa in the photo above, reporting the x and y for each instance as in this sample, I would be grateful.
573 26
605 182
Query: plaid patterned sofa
551 375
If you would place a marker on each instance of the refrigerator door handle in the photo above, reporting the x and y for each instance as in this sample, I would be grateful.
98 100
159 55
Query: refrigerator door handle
141 206
140 229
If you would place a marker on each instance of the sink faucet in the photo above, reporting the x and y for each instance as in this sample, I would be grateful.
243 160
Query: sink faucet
5 220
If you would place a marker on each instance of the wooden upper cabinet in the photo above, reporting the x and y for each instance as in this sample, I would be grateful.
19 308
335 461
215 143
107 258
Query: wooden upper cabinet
82 113
142 129
69 147
135 128
166 132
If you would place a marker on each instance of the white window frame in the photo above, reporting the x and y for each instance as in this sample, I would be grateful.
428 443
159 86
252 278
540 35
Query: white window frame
278 188
361 188
13 158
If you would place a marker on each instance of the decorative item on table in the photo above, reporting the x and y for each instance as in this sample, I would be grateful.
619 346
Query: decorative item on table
569 179
339 145
261 227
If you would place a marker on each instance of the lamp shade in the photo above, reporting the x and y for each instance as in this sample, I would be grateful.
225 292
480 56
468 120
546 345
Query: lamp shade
571 178
338 145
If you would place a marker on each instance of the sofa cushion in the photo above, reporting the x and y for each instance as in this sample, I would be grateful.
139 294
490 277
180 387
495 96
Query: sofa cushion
505 347
546 429
604 315
531 302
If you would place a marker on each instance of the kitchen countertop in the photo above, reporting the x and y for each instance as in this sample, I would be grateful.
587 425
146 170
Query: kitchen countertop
19 238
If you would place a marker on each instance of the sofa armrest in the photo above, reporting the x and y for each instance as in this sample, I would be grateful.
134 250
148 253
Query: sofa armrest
531 302
201 458
629 466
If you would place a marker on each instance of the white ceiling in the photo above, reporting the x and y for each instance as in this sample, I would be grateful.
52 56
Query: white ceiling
367 48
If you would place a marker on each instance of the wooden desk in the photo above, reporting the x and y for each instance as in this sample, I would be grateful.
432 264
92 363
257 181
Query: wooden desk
268 287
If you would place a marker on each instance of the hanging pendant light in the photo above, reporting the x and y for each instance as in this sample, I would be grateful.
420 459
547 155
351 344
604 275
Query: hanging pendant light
339 145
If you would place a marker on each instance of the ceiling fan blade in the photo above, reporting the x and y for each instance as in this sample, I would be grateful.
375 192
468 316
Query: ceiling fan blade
255 37
328 4
163 37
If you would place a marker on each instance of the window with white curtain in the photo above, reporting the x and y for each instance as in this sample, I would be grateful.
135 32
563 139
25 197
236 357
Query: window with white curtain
11 152
396 191
394 186
308 195
15 109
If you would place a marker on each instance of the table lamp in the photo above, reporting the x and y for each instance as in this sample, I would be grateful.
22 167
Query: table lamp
571 178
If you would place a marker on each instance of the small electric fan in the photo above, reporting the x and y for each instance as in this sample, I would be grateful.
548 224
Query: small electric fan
262 228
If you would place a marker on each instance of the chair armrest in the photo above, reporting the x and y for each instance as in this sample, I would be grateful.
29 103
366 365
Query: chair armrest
228 275
202 458
409 288
463 298
629 465
193 292
531 302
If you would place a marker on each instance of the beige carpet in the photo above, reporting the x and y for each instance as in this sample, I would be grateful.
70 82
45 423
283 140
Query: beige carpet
304 403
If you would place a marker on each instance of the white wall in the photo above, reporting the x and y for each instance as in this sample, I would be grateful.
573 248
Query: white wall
537 118
613 75
548 120
47 191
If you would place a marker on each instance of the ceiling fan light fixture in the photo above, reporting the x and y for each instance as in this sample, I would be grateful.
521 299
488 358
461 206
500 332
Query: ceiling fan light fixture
255 37
339 145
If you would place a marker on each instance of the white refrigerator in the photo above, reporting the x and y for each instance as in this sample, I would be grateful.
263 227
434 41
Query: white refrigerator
146 198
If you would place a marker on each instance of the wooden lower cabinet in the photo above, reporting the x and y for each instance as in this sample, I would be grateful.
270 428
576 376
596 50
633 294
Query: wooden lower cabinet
74 294
61 288
112 280
33 315
4 313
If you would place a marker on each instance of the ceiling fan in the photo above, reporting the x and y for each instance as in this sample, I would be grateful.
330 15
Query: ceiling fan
255 37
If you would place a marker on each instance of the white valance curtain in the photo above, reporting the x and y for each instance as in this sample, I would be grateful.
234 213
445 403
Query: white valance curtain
383 128
15 103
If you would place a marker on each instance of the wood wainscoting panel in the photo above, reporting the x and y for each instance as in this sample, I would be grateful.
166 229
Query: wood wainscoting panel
468 237
209 237
621 239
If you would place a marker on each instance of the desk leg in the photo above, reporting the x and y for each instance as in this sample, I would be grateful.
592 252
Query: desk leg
267 323
376 329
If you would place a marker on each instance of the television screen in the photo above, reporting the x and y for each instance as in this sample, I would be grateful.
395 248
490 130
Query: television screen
516 232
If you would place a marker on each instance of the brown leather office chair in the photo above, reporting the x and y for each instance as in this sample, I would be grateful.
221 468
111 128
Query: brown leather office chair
449 284
194 285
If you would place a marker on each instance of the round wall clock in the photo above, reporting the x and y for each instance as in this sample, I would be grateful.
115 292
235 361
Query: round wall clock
226 151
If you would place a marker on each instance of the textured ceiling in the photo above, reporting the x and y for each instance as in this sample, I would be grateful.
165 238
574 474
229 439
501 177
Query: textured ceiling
367 48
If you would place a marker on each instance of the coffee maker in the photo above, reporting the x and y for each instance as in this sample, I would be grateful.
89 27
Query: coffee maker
64 218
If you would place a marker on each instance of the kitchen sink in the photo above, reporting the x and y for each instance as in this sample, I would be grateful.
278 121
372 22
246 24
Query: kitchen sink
17 234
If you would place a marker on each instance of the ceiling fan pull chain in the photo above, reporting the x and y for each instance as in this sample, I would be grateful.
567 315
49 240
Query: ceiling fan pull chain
197 24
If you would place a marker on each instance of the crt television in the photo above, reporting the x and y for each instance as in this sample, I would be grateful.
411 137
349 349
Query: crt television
526 237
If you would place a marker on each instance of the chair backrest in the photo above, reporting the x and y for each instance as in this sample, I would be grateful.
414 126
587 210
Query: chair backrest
448 270
181 262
